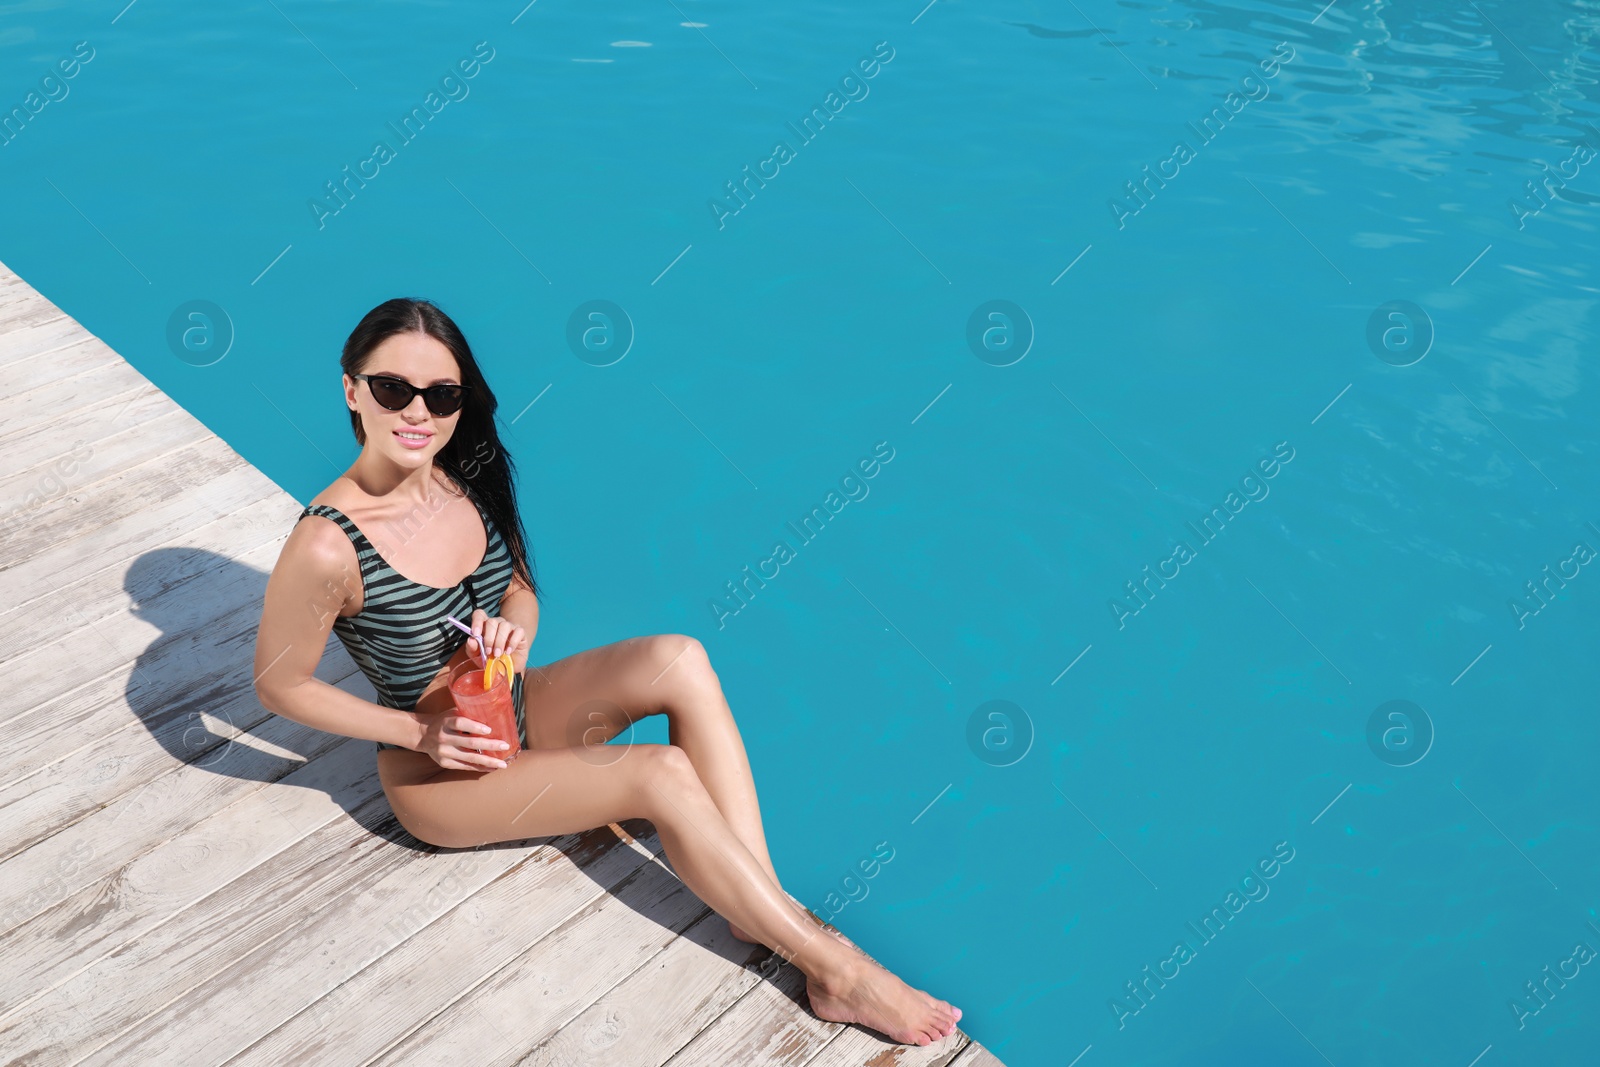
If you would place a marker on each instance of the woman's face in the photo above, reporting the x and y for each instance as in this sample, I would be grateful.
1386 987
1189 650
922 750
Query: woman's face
412 436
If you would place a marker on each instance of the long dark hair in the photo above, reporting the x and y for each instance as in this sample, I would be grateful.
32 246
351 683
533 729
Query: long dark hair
474 458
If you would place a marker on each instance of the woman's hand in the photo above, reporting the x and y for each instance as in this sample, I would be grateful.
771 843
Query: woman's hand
499 636
451 739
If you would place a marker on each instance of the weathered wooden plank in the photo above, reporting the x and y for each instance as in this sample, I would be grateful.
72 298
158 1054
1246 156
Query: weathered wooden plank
92 851
53 365
77 643
104 389
95 653
648 1016
390 895
429 972
771 1025
857 1046
96 427
533 996
135 512
123 898
11 282
178 675
68 499
93 445
133 462
180 583
975 1055
20 310
242 879
20 342
35 805
23 305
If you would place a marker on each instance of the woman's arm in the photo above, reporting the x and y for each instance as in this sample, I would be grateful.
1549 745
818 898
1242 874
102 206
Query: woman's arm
312 581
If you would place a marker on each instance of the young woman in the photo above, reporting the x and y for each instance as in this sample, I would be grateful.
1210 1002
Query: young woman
433 489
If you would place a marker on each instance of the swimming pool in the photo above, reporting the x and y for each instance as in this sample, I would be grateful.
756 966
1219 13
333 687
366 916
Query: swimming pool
1205 645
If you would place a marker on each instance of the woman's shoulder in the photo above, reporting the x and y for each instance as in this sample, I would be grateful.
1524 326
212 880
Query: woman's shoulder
319 544
323 545
319 563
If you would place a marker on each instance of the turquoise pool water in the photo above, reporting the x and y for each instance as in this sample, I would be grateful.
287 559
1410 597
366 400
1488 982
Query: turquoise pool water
1289 405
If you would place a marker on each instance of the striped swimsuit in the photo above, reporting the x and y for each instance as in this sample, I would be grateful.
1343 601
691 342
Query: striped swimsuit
400 638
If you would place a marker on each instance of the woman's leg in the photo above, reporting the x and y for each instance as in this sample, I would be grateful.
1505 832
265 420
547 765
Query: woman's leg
567 703
555 791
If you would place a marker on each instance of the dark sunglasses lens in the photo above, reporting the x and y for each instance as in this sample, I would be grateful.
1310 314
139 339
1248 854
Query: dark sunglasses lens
390 393
443 399
396 396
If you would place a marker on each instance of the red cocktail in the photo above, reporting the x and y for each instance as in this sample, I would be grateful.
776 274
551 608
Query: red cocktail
491 706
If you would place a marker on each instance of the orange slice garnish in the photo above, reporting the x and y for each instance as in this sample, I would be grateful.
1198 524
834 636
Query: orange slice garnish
502 661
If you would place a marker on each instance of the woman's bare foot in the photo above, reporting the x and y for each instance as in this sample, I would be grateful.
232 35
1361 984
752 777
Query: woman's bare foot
875 998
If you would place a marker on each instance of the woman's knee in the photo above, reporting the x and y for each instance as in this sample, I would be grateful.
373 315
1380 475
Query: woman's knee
666 776
674 659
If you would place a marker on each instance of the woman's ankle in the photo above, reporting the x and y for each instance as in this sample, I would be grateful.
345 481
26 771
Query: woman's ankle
840 972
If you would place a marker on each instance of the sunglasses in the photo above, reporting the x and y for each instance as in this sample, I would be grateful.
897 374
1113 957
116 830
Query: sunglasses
396 393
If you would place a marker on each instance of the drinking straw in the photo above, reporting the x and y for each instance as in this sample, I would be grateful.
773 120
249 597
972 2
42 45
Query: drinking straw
470 632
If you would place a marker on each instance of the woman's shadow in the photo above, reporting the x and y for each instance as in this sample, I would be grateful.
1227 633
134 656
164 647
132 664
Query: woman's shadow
193 689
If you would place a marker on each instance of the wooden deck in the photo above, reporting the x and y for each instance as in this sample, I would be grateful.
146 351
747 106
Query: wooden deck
186 878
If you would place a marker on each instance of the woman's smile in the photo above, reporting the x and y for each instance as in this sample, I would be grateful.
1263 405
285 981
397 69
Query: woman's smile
413 438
